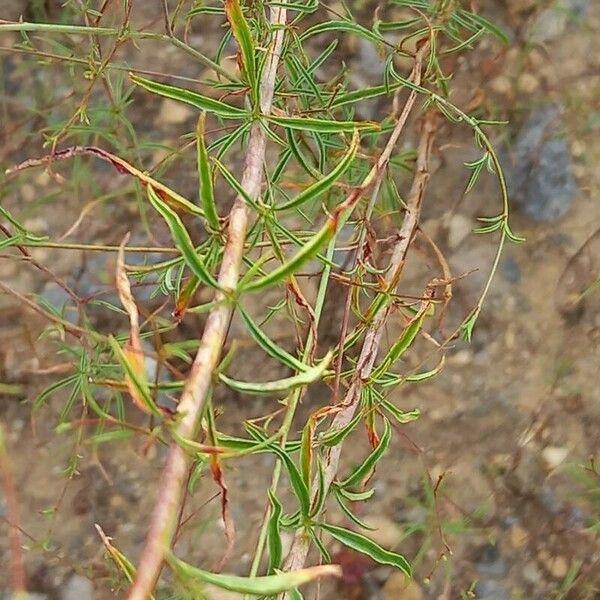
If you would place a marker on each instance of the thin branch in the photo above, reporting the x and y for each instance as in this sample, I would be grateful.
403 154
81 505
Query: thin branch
301 543
194 397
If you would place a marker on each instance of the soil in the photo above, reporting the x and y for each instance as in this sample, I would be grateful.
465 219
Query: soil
490 492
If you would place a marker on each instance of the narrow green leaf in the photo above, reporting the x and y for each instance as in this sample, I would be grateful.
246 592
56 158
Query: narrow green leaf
364 545
270 347
322 185
364 94
358 522
243 35
269 585
339 26
53 387
298 485
322 125
306 453
235 184
355 496
274 534
333 437
402 344
188 97
182 239
311 375
287 269
365 468
401 416
205 182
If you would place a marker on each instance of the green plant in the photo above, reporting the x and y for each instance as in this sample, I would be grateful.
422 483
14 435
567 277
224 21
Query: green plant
276 102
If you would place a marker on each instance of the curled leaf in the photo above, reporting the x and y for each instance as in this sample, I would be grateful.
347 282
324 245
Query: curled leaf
311 375
269 585
364 545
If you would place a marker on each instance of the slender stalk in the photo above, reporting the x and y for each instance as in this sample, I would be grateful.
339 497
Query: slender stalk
301 543
194 397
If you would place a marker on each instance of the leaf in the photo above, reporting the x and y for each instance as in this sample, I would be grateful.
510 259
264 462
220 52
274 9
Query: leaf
269 585
364 94
401 416
311 375
135 376
127 300
365 468
299 486
333 437
402 344
182 240
269 346
188 97
205 182
122 563
338 26
287 269
322 125
364 545
350 514
241 32
274 533
323 184
184 297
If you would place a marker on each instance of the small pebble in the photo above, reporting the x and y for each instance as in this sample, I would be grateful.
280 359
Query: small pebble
554 456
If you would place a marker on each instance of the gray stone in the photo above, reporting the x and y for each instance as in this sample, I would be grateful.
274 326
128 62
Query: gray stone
490 562
488 589
77 587
552 22
538 167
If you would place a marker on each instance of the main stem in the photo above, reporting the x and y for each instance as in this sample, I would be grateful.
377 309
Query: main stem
194 396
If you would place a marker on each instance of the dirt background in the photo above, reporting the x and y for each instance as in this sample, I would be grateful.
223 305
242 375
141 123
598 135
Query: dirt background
490 493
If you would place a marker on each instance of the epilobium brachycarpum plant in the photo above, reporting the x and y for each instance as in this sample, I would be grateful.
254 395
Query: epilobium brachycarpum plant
318 207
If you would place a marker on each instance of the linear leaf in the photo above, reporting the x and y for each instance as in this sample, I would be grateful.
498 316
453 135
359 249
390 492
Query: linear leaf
339 26
402 344
364 545
298 484
288 268
322 185
274 533
280 385
322 125
206 192
241 32
182 239
269 585
270 347
360 472
188 97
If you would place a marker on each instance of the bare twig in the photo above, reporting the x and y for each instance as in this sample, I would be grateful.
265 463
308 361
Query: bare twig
194 396
301 544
